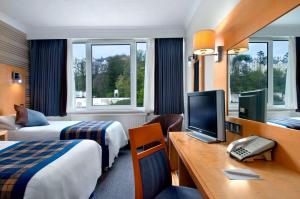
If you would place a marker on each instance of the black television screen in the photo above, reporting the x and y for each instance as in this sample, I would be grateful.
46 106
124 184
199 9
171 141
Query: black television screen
203 113
206 113
252 105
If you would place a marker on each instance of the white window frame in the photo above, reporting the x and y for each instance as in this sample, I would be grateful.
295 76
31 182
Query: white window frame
133 78
269 41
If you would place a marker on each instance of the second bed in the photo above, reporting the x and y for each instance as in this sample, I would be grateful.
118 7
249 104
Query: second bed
115 136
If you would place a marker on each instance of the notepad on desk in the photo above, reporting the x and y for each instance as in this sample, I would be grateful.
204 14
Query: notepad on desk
241 174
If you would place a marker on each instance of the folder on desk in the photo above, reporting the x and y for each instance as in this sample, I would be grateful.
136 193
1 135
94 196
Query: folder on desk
241 174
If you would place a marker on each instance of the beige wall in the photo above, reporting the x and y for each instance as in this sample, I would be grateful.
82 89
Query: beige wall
207 16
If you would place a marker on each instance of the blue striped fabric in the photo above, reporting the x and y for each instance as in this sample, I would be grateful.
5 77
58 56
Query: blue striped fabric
287 122
21 161
179 192
93 130
155 173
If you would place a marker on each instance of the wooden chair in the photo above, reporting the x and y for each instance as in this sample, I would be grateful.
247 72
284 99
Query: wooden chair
152 175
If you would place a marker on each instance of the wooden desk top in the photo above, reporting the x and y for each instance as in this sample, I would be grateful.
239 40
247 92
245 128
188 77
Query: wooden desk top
206 162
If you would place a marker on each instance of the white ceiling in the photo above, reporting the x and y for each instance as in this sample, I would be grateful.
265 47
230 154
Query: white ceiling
99 13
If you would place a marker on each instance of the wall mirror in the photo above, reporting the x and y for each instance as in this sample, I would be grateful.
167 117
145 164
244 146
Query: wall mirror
262 72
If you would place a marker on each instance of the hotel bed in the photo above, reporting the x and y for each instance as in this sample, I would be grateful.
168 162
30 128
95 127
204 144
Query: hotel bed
115 136
70 172
286 122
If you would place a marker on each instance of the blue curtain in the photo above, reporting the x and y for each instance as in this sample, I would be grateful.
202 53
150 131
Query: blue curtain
48 76
168 97
196 76
298 72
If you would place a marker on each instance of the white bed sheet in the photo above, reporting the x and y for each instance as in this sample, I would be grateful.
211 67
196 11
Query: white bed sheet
274 124
72 176
271 123
115 136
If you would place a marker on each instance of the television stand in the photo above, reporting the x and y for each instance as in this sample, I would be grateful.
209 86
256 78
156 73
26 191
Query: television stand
202 137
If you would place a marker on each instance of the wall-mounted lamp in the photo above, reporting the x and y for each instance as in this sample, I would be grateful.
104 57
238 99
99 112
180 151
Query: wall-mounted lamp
16 77
240 47
204 44
192 59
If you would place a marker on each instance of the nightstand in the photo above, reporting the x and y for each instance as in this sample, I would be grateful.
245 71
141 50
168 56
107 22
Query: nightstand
3 135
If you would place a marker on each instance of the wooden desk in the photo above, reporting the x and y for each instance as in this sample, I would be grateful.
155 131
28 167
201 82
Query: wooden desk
203 164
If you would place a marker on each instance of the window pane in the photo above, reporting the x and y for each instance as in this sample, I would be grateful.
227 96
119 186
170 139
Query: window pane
111 75
79 66
280 64
141 49
248 70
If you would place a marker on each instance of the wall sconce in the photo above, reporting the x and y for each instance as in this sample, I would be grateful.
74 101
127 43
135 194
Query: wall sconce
204 44
243 46
192 59
16 77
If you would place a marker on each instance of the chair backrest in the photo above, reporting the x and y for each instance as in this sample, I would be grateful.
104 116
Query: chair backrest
168 120
151 167
174 119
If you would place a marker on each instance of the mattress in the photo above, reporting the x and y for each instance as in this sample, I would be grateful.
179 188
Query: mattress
115 136
74 175
291 122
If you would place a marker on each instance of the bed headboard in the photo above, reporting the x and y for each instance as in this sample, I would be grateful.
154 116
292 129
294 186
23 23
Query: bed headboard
10 92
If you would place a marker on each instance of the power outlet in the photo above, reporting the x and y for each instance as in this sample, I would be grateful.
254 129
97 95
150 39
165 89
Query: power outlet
233 127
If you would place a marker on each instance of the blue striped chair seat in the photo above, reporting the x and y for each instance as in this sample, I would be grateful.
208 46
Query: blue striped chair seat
156 179
174 192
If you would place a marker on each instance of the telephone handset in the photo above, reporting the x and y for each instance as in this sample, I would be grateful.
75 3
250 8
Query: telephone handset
250 148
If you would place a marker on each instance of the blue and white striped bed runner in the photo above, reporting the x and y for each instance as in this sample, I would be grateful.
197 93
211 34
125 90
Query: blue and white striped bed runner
93 130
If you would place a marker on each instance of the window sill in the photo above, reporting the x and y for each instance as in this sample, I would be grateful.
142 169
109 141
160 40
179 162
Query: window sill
140 111
269 109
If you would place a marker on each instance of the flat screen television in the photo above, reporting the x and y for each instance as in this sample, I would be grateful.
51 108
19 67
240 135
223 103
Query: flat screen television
252 105
206 115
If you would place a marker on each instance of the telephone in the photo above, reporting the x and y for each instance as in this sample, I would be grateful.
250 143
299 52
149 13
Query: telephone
251 148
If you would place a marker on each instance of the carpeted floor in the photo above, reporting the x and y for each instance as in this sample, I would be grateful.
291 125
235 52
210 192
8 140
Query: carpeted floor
118 181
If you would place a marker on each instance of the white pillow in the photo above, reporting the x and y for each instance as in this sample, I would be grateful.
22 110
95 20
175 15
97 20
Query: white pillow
8 123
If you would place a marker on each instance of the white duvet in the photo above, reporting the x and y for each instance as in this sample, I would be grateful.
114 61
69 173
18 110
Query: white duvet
115 136
274 124
72 176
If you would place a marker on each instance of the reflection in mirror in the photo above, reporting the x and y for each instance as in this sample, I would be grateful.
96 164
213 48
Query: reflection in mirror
267 63
240 47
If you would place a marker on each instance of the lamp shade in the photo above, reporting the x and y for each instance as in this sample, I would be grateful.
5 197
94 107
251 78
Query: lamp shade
204 42
240 47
